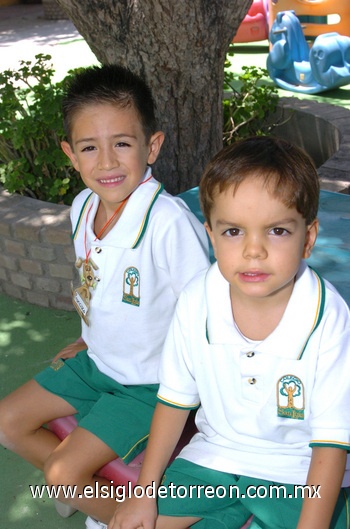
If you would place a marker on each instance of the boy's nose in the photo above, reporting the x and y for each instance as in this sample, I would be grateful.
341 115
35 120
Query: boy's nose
107 159
254 249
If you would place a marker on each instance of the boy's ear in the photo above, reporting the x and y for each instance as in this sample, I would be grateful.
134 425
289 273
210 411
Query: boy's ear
66 148
211 236
310 238
155 144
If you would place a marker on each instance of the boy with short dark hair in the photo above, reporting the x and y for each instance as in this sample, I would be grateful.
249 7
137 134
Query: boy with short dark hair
262 344
136 249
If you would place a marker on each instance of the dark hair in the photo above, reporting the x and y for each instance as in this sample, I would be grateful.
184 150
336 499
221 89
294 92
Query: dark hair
112 84
287 171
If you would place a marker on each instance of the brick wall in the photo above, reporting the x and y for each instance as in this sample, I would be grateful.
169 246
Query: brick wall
323 130
36 251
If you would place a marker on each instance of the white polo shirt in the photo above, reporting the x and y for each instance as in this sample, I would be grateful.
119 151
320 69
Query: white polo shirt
141 266
263 405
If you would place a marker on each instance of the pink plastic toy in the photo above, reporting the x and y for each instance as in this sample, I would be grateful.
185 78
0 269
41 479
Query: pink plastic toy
255 24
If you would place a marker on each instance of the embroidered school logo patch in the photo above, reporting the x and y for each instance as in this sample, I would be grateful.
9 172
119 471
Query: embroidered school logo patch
57 365
131 286
290 397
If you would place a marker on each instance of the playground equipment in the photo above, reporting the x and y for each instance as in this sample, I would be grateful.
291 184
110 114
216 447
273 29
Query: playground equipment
294 66
255 24
317 16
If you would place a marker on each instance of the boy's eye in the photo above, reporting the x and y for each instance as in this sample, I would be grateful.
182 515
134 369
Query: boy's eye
88 148
279 231
232 232
122 144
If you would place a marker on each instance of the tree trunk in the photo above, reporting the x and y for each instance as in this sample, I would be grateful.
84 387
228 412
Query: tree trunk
179 47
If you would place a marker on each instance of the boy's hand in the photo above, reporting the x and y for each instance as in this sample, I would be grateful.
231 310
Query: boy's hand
134 513
71 350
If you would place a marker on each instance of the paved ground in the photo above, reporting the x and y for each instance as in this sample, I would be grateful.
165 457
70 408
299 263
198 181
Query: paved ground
24 32
29 335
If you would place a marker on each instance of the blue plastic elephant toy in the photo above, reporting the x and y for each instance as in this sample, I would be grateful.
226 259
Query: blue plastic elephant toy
294 66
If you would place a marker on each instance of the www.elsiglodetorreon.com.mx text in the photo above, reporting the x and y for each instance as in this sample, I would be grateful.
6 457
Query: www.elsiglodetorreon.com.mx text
121 492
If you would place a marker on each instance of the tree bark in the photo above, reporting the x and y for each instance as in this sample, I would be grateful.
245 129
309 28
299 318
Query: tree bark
179 47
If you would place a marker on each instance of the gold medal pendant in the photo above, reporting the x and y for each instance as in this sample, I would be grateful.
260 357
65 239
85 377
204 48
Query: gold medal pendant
81 295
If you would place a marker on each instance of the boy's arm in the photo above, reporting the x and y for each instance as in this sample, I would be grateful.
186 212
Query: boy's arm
166 428
325 475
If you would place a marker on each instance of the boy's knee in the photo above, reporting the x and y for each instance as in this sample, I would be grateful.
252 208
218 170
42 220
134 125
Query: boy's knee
55 470
59 470
8 427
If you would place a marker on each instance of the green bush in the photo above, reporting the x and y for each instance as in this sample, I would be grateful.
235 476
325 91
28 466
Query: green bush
248 108
31 129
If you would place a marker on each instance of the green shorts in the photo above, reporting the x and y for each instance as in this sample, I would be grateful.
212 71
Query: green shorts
118 415
223 500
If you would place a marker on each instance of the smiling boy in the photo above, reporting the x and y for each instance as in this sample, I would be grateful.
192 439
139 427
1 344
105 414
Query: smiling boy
136 248
261 343
95 143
